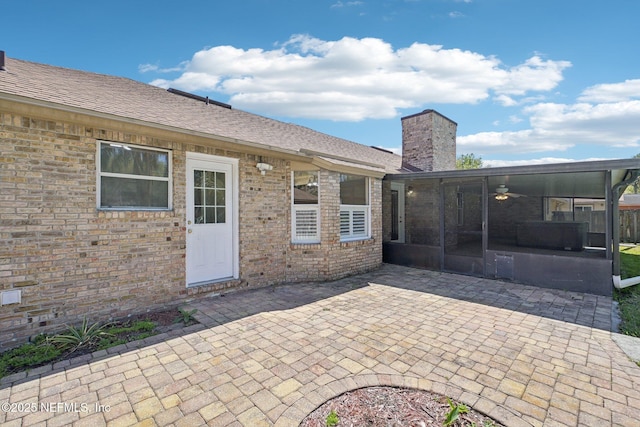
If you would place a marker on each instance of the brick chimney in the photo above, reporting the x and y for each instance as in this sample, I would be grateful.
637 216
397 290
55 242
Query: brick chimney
428 142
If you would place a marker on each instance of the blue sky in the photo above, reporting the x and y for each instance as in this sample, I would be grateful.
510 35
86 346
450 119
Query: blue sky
527 81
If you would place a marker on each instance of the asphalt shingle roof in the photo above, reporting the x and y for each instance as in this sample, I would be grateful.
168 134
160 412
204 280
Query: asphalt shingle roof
130 99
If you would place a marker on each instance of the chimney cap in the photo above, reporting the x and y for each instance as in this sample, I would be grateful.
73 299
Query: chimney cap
427 111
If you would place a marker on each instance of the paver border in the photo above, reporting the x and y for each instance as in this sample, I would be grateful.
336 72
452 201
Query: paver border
295 414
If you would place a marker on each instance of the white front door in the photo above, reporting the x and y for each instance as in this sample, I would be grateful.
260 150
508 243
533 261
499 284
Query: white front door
211 245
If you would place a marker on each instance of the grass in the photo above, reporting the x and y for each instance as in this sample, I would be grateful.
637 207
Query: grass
122 334
32 354
629 298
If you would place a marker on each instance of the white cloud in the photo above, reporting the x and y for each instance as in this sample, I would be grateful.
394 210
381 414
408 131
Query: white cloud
340 4
148 68
514 142
614 124
535 74
354 79
612 92
145 68
558 127
505 101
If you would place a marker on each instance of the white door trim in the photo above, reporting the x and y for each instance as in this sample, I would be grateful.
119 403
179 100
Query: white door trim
234 163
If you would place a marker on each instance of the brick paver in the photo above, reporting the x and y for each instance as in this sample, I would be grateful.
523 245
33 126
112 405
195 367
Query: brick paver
523 355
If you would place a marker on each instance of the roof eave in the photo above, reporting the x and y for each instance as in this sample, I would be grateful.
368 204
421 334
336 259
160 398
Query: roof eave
159 126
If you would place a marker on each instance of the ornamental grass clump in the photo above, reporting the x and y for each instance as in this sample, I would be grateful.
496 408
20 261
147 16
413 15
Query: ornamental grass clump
76 338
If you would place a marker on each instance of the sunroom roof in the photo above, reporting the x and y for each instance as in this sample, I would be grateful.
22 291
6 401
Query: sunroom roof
579 179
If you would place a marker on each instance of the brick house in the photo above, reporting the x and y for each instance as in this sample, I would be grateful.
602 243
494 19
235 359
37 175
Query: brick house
120 197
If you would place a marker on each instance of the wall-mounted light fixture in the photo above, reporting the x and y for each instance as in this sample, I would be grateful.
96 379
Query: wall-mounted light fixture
409 190
264 167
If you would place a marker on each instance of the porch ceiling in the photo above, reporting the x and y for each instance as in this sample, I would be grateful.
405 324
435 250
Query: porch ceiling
578 184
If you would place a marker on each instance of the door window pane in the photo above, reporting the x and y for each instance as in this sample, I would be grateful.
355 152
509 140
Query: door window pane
220 215
198 196
220 197
209 197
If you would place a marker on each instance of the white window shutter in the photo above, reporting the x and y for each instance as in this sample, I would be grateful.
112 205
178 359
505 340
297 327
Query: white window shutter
345 223
359 222
306 224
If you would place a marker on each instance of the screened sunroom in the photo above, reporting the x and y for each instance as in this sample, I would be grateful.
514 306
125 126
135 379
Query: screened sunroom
546 225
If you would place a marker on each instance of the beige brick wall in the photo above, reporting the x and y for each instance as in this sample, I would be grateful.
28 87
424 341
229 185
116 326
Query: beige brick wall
332 258
71 260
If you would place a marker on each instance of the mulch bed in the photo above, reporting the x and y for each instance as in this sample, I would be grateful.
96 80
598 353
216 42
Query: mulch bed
391 406
161 318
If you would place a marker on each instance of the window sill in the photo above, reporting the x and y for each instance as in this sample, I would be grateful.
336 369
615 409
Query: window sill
134 209
356 239
305 244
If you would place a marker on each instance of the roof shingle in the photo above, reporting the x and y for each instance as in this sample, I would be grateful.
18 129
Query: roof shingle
130 99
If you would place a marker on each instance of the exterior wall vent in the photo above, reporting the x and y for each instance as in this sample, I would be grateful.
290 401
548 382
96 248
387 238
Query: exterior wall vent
11 296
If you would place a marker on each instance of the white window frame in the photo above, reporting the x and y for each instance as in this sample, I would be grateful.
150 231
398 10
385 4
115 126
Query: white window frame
354 210
301 209
100 174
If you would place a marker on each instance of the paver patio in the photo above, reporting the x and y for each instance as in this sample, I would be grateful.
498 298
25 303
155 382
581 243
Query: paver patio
523 355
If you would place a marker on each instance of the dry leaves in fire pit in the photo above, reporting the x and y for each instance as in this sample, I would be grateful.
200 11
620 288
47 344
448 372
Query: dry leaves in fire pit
392 406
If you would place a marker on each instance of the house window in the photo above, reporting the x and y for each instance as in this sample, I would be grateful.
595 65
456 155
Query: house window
305 218
131 177
355 211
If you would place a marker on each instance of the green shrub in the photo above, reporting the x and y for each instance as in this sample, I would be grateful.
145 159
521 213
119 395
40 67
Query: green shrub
332 419
455 412
185 316
83 336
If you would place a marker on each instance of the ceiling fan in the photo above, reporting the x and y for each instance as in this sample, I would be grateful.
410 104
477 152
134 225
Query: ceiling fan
502 193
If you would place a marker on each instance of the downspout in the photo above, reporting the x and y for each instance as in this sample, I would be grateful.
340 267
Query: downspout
617 282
